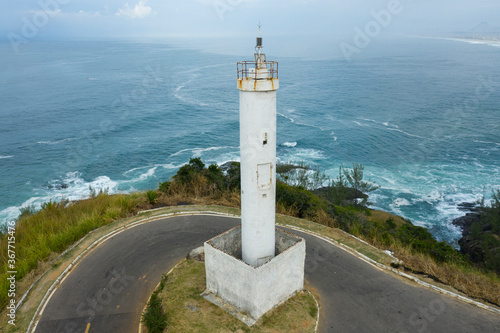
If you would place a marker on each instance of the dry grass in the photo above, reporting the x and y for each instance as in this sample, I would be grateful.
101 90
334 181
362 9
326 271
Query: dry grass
378 216
180 195
55 228
321 217
187 311
466 279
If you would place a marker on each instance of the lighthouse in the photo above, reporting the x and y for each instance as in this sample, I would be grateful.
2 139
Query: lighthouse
257 82
255 266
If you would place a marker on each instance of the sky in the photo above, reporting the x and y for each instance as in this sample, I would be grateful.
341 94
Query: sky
98 19
319 29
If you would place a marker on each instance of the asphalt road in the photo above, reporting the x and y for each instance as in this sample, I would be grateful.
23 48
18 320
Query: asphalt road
108 289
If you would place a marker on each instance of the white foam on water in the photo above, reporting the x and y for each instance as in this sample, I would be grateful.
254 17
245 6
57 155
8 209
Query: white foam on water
198 152
71 187
405 133
289 144
149 173
286 117
228 157
292 120
302 155
5 157
487 142
183 97
398 202
9 214
55 142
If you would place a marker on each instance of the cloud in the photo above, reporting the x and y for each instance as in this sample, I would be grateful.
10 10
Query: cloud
139 11
89 14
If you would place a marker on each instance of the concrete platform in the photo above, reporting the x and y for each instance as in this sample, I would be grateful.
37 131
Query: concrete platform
253 291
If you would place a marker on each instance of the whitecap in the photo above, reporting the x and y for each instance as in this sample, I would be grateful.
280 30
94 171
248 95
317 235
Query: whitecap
289 144
197 152
303 155
183 98
5 157
180 87
148 174
169 166
401 202
487 142
9 214
284 116
406 133
55 142
292 120
134 169
76 188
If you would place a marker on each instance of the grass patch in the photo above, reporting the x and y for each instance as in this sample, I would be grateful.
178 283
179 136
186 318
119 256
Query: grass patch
154 318
187 311
55 227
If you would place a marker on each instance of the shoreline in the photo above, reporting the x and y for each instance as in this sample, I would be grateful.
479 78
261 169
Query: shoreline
492 41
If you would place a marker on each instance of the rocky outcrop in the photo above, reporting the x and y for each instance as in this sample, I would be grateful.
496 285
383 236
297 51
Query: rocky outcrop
479 240
468 244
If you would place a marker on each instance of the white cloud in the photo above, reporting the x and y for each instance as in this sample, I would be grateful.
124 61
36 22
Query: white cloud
89 14
139 11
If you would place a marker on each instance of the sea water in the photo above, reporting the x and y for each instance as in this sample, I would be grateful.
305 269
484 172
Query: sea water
422 116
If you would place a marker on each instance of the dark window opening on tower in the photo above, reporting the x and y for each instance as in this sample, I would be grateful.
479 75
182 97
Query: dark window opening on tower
265 140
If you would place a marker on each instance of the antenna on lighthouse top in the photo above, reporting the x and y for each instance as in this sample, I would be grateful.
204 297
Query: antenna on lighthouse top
260 58
259 40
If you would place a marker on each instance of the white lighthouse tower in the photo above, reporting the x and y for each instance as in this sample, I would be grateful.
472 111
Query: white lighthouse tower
256 266
258 81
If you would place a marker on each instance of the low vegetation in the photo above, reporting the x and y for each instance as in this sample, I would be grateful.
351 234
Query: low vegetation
481 233
55 227
186 311
154 318
342 204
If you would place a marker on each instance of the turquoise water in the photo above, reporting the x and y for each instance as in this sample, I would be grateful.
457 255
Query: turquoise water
422 115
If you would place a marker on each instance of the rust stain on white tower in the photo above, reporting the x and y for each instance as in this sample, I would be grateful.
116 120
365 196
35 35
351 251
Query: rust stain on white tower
258 82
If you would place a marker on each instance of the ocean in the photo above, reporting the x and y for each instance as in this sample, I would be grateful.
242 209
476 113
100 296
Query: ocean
422 115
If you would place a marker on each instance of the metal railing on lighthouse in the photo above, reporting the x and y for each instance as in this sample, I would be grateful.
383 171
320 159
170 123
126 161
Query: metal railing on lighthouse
257 70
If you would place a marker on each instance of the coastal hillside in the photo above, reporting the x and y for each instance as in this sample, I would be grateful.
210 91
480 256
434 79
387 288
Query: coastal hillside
44 233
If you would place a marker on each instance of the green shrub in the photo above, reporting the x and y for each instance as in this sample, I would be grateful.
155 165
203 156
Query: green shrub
390 224
163 187
233 179
188 172
151 195
303 201
154 318
215 176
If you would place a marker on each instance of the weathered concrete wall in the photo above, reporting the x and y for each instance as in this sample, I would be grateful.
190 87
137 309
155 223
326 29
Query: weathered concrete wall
229 242
255 290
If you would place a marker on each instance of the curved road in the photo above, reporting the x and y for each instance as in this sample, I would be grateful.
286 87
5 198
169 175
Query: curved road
108 289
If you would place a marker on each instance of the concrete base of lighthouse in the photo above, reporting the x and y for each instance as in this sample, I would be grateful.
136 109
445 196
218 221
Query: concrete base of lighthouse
241 288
